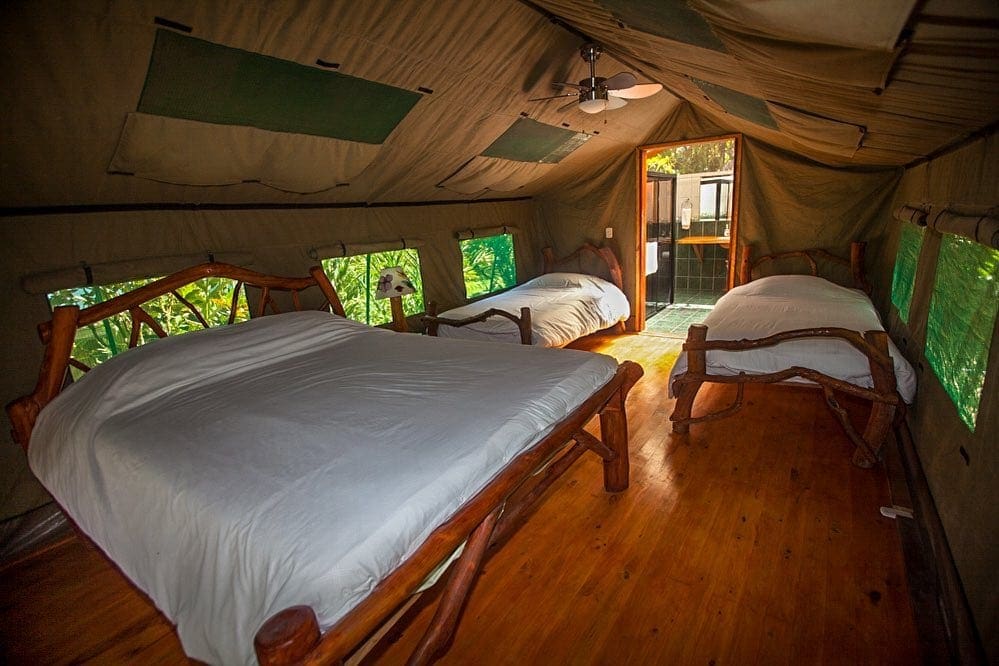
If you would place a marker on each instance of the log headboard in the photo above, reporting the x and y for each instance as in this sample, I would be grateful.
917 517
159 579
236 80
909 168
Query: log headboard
855 263
589 259
59 333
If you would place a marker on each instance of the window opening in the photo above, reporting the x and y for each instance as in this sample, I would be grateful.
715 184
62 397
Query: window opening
488 264
99 341
961 320
904 276
356 277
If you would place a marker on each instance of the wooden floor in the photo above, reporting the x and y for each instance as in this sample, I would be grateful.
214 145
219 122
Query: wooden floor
751 541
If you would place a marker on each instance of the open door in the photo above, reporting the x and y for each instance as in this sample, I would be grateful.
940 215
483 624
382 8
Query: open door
687 223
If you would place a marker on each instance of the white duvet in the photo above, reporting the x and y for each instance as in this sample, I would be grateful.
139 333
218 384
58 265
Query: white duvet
789 302
564 307
292 459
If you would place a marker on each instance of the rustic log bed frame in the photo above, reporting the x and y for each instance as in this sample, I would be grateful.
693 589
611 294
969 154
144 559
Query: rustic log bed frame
293 635
523 322
886 403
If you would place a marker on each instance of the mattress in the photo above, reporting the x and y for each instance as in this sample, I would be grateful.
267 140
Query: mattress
789 302
564 307
291 459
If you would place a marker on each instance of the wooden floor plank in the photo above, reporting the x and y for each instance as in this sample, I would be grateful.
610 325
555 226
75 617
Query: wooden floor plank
750 540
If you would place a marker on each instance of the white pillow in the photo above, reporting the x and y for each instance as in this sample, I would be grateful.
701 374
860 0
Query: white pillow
557 280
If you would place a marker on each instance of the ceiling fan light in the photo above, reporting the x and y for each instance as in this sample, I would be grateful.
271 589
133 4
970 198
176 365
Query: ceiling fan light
615 102
593 105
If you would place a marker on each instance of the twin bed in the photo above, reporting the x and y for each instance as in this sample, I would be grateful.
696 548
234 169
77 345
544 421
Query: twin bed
281 486
576 295
798 329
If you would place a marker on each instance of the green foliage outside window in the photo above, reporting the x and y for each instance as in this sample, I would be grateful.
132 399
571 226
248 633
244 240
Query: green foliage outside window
355 279
961 320
98 342
904 277
488 264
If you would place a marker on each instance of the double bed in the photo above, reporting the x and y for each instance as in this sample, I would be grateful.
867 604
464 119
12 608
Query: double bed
576 295
798 329
279 487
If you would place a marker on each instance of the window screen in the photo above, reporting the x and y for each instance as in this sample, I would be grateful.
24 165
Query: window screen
488 264
961 319
98 342
356 278
909 244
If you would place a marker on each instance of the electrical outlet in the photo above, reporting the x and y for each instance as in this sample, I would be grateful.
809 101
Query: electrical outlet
609 232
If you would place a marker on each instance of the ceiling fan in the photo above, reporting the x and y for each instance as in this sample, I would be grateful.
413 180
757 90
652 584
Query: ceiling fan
596 94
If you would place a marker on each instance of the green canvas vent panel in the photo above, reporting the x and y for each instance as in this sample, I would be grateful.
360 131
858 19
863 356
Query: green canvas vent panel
530 141
904 277
962 316
198 80
671 19
739 104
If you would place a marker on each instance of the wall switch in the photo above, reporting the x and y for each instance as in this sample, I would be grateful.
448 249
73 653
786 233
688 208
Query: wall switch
609 232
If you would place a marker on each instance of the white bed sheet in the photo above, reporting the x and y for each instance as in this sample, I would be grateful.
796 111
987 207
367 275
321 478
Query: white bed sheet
789 302
292 459
564 307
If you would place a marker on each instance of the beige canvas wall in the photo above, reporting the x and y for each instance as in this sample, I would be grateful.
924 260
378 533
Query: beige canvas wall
279 239
964 491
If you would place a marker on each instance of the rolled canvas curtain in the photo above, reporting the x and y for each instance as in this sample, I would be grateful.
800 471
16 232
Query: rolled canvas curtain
482 232
914 213
119 271
352 249
978 223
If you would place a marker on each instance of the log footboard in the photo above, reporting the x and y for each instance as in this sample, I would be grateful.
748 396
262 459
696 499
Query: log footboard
292 636
883 396
523 322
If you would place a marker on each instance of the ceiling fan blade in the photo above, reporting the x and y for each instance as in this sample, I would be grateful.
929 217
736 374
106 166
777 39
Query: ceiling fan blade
637 91
542 99
620 81
566 107
563 84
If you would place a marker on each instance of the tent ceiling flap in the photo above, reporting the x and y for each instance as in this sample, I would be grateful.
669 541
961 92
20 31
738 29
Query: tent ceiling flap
739 104
198 80
530 141
671 19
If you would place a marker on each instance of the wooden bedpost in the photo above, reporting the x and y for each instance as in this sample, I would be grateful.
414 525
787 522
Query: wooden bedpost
614 431
745 264
58 336
686 391
432 324
548 256
286 638
526 334
857 270
882 413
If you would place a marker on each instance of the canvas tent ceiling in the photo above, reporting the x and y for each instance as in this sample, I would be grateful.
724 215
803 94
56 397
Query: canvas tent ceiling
845 82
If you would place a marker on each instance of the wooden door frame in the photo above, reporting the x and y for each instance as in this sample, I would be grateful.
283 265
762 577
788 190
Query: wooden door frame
642 153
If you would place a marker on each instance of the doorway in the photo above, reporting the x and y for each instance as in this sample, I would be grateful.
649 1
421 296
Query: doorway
689 215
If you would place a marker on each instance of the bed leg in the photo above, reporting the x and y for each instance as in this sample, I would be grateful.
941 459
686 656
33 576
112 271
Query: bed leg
286 638
686 390
456 593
